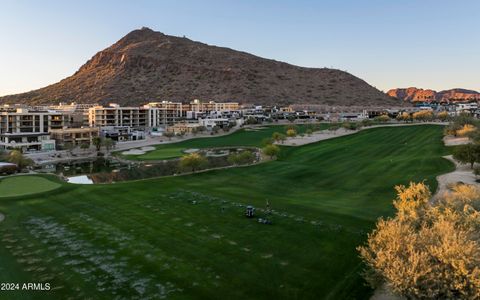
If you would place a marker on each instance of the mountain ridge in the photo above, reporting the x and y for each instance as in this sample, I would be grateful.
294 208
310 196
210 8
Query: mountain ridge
146 65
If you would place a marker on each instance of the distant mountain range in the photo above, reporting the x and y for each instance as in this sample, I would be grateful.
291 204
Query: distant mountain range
147 66
413 94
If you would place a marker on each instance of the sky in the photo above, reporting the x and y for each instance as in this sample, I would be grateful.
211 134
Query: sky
424 43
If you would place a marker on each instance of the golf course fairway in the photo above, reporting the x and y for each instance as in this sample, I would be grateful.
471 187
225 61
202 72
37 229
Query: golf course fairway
186 237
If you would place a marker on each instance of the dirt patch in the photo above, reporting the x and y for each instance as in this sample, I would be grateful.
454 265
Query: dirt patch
454 141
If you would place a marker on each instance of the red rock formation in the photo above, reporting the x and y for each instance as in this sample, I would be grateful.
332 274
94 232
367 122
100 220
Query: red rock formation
413 94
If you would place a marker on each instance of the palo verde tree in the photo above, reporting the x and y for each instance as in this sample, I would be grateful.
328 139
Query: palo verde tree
193 162
404 116
16 157
423 116
271 151
382 118
442 116
291 133
427 251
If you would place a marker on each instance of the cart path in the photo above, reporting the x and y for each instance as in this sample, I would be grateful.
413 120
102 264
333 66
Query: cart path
462 174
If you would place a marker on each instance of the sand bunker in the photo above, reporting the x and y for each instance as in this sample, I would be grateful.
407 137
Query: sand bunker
192 150
133 152
148 148
138 151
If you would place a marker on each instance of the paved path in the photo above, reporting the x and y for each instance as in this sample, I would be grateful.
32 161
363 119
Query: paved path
463 173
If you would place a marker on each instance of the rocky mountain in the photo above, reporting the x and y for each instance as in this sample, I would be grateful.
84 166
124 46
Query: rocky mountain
147 66
413 94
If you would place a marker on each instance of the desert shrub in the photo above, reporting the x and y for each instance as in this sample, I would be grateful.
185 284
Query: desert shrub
427 251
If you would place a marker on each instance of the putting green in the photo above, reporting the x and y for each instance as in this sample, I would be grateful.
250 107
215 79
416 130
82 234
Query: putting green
26 185
186 237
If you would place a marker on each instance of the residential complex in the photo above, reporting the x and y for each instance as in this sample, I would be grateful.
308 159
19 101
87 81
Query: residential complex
29 130
63 126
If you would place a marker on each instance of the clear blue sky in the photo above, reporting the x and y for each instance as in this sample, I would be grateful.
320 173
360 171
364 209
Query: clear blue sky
424 43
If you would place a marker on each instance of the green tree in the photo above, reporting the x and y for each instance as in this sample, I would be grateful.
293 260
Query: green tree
366 122
97 142
276 136
242 158
271 150
193 162
108 143
267 141
291 118
467 154
309 131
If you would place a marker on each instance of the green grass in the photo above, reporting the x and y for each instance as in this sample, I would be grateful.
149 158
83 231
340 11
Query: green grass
186 236
242 137
26 185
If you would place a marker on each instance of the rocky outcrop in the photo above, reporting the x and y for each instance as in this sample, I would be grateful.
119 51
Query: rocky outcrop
413 94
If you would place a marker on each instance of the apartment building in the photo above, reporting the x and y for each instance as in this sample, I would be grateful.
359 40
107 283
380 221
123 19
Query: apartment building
77 112
72 137
198 106
165 113
29 130
115 115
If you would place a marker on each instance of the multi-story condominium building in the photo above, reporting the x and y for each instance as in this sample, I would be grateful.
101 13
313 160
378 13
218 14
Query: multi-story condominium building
29 130
166 112
72 137
115 115
198 106
78 112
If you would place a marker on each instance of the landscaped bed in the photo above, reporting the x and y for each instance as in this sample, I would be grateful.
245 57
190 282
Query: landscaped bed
186 237
240 138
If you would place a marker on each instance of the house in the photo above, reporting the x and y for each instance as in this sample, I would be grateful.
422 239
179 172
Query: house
353 116
122 133
210 123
